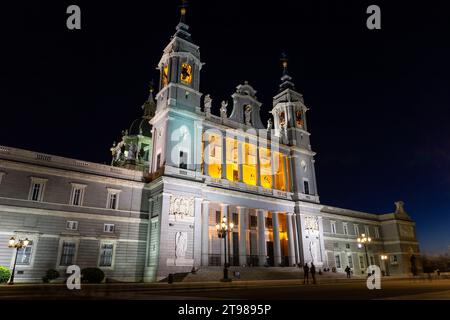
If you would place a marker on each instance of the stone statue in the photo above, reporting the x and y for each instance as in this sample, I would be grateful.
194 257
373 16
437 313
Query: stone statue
400 207
313 250
208 104
223 109
269 124
132 151
180 244
248 113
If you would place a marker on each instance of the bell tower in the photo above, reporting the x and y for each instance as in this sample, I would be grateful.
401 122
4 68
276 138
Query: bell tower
179 69
289 113
177 102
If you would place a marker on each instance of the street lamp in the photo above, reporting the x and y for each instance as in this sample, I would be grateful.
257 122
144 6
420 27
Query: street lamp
363 241
384 258
17 244
222 231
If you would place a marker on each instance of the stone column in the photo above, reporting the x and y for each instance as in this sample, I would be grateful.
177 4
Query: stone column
198 147
258 167
276 239
314 176
197 243
295 233
240 159
262 249
285 172
206 154
291 239
272 168
205 233
242 236
224 156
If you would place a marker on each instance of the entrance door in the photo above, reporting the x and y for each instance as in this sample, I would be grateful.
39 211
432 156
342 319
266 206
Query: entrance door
270 252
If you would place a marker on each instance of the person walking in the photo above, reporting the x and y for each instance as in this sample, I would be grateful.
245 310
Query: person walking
305 273
313 272
348 271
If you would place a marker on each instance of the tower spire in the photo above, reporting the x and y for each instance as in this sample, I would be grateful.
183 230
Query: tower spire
286 82
182 28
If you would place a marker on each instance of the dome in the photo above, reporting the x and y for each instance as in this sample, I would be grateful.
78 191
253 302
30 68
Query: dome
140 126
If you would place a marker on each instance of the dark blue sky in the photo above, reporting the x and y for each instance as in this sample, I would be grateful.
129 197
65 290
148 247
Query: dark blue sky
379 100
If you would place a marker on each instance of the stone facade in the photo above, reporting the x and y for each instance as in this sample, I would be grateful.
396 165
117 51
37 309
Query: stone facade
154 210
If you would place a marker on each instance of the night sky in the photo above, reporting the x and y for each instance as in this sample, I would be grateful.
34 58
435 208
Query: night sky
379 99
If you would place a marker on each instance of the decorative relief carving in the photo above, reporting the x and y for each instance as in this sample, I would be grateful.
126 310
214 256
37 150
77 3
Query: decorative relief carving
180 244
406 231
311 223
181 207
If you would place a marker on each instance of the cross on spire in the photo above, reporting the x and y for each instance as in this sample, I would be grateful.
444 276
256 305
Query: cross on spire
285 78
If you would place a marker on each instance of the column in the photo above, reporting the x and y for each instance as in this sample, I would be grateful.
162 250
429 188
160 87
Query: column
198 148
197 243
206 154
291 239
314 176
258 164
262 250
240 159
224 156
224 213
272 167
242 236
205 233
285 172
295 232
276 239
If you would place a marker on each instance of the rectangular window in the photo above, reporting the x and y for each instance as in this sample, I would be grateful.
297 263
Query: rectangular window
347 245
306 186
345 228
356 230
37 189
108 227
337 258
218 217
377 233
106 255
393 259
235 219
350 261
361 262
24 255
67 253
253 221
72 225
77 194
113 199
183 160
158 161
268 223
333 227
366 230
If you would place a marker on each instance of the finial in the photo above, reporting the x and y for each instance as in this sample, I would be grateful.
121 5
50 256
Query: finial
151 86
284 61
183 8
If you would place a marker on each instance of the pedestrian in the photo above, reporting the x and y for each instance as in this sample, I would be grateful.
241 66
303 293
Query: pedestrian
313 272
348 271
305 273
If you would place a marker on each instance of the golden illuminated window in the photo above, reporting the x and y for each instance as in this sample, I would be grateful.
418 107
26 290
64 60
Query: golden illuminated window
282 119
215 156
265 167
165 76
186 73
249 164
232 160
279 171
299 118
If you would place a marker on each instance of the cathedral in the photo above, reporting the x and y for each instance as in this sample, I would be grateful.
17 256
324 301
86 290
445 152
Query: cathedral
187 189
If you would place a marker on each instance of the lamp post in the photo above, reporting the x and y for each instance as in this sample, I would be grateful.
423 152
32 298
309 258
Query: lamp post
385 265
17 244
363 241
222 231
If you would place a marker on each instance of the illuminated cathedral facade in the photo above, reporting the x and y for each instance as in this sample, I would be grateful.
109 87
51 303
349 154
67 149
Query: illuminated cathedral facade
177 175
